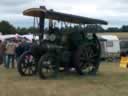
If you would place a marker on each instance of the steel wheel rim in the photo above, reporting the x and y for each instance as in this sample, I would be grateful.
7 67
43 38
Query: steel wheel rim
47 68
28 65
87 59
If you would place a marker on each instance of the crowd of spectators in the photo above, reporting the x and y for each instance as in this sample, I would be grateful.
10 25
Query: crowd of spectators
10 51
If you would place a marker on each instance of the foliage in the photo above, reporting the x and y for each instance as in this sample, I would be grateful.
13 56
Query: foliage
26 30
7 28
94 28
113 29
124 28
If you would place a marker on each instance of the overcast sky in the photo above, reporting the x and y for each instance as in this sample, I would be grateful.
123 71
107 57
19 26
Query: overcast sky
113 11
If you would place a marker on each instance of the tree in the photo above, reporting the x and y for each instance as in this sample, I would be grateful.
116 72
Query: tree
21 30
7 28
32 30
113 29
26 30
124 28
94 28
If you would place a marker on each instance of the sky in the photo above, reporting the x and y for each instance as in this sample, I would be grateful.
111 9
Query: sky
113 11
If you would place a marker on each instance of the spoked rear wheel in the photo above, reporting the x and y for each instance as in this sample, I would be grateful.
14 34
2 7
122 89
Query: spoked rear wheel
26 64
86 60
47 67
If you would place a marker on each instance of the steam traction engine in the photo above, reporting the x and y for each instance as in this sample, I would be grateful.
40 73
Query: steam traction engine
59 46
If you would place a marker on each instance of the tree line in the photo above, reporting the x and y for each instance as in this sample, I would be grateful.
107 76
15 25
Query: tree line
7 28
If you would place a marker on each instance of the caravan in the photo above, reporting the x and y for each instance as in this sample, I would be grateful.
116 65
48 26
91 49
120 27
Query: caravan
110 45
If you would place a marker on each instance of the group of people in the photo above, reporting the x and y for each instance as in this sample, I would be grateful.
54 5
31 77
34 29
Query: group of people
10 51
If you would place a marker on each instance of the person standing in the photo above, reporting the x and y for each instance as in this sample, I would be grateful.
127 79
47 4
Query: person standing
2 50
10 54
19 50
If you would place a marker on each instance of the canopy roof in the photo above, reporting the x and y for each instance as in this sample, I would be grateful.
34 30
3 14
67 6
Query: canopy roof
50 14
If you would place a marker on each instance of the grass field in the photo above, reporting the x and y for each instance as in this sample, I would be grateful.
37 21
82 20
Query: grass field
110 81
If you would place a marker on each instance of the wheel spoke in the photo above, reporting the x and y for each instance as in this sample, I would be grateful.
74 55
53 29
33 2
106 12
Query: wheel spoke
87 59
46 66
29 71
27 65
24 70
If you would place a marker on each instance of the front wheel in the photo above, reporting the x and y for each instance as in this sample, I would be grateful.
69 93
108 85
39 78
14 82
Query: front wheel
47 68
26 64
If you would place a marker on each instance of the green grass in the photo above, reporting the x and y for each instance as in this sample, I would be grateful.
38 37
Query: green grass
110 81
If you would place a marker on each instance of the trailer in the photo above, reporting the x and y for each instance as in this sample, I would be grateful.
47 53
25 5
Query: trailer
110 46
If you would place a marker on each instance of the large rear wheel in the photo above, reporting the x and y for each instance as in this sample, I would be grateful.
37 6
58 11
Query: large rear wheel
87 59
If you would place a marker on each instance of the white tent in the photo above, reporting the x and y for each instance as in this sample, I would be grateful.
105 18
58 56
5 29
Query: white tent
30 36
4 37
15 36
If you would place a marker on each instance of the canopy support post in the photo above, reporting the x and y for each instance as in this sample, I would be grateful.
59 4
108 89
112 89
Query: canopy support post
41 23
